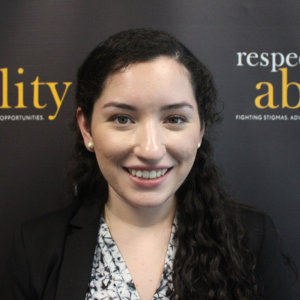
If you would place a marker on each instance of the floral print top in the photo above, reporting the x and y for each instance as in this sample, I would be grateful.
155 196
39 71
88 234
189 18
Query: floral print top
110 277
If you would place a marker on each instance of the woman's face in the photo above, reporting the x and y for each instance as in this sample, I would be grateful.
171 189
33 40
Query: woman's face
145 128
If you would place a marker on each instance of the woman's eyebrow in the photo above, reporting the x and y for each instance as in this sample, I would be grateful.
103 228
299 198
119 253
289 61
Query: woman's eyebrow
177 105
120 105
133 108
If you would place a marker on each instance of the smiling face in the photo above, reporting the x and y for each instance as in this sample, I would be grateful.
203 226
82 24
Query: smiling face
145 128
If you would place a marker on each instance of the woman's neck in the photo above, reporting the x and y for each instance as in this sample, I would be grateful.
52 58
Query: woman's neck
120 213
142 235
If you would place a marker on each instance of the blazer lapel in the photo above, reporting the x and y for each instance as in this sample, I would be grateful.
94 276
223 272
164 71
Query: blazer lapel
75 272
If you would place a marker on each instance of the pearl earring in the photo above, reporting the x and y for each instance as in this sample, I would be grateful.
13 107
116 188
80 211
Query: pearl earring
198 146
91 146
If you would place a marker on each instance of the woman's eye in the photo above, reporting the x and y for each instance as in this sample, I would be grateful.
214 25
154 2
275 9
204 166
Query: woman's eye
123 120
176 120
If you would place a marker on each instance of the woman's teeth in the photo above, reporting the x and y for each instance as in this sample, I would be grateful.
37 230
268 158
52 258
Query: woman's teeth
151 174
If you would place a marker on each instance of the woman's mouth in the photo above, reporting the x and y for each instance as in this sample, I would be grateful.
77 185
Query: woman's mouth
148 177
147 174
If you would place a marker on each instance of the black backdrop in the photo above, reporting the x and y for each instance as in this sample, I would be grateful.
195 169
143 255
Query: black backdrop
251 47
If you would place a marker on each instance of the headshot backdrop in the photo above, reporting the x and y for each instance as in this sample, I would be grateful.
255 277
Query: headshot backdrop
251 47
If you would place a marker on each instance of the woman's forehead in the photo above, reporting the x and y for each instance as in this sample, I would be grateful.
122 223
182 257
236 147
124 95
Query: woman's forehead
161 79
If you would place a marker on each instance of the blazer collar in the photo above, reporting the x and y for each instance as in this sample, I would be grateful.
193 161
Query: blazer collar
76 266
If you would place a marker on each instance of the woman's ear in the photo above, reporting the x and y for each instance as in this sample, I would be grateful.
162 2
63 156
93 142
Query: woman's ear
85 130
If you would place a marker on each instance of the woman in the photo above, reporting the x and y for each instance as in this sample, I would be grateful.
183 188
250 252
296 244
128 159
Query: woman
150 219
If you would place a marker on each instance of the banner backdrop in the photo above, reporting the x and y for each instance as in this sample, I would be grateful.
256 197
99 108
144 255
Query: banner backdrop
251 47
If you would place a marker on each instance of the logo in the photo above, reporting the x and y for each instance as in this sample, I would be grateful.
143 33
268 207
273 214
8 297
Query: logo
279 98
56 93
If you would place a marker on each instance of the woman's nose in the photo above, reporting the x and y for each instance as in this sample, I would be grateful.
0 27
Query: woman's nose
149 142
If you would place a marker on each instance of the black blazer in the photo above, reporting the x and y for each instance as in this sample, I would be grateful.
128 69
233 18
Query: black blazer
52 255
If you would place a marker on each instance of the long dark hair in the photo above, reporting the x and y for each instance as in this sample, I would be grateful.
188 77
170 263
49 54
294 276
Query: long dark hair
210 257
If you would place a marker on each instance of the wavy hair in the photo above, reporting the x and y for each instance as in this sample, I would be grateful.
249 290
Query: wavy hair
210 256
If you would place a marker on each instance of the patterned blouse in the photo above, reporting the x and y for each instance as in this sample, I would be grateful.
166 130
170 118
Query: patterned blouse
110 277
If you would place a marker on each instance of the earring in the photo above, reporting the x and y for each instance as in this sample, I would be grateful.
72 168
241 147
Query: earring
90 146
198 146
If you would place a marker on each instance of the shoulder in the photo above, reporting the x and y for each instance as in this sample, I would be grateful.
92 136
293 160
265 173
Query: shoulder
262 239
260 233
36 254
53 222
44 236
259 228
